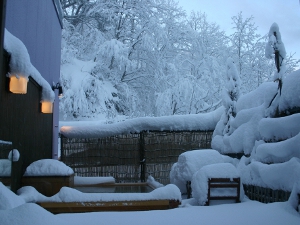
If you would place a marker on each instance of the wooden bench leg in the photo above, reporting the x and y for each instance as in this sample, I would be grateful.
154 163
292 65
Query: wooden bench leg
188 189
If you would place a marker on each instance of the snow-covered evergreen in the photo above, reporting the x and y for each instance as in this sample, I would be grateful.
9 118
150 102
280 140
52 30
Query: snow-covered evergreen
231 95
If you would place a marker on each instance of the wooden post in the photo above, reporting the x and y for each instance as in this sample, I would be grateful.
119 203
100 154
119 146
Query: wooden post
142 156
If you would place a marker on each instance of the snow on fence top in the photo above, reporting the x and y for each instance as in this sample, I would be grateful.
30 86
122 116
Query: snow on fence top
205 121
21 66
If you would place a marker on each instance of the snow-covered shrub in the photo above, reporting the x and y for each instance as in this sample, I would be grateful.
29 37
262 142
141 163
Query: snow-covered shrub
231 95
290 97
279 176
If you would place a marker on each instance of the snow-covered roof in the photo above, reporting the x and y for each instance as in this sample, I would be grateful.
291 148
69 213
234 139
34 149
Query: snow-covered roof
20 65
206 121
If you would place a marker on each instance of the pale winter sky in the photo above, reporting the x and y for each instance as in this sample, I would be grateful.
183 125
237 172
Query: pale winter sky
286 13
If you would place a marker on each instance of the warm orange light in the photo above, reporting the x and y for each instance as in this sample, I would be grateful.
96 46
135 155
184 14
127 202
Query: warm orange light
18 85
47 107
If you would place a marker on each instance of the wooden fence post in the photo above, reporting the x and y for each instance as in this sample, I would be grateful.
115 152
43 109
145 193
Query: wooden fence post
142 156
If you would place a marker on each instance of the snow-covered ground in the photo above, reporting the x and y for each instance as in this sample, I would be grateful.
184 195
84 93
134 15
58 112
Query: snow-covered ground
246 213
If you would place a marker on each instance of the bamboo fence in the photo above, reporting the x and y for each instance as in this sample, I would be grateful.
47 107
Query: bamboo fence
131 157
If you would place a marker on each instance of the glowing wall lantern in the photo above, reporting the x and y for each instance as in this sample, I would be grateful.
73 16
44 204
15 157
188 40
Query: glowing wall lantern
18 84
47 107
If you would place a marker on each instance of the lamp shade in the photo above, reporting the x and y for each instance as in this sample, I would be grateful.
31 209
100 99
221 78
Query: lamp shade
18 85
47 107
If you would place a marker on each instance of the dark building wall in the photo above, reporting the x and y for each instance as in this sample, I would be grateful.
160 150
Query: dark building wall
22 123
37 25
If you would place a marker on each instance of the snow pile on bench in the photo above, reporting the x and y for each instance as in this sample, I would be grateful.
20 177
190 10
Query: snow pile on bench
201 177
48 167
189 163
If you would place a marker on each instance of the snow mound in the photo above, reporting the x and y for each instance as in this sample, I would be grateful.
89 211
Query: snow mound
48 167
8 199
5 167
189 163
30 194
200 180
30 213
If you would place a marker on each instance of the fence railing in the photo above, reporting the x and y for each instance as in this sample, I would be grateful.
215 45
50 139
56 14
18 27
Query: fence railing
265 195
131 157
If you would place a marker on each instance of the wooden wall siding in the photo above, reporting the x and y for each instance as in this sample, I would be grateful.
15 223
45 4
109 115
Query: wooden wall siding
37 24
22 123
131 157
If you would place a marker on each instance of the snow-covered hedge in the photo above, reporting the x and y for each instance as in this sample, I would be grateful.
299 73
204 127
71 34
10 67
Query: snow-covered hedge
280 176
253 123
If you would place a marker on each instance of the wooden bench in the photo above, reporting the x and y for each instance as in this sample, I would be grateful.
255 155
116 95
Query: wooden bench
223 183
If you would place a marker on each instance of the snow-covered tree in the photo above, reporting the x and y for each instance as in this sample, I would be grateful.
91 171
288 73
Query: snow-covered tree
231 95
155 60
275 49
247 51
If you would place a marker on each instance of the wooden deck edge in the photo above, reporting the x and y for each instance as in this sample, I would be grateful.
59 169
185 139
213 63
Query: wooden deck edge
78 207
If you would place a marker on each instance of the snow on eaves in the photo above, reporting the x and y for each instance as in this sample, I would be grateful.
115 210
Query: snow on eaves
20 64
206 121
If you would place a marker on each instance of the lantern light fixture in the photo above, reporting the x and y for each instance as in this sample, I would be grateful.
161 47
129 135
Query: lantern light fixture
18 84
59 87
47 107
